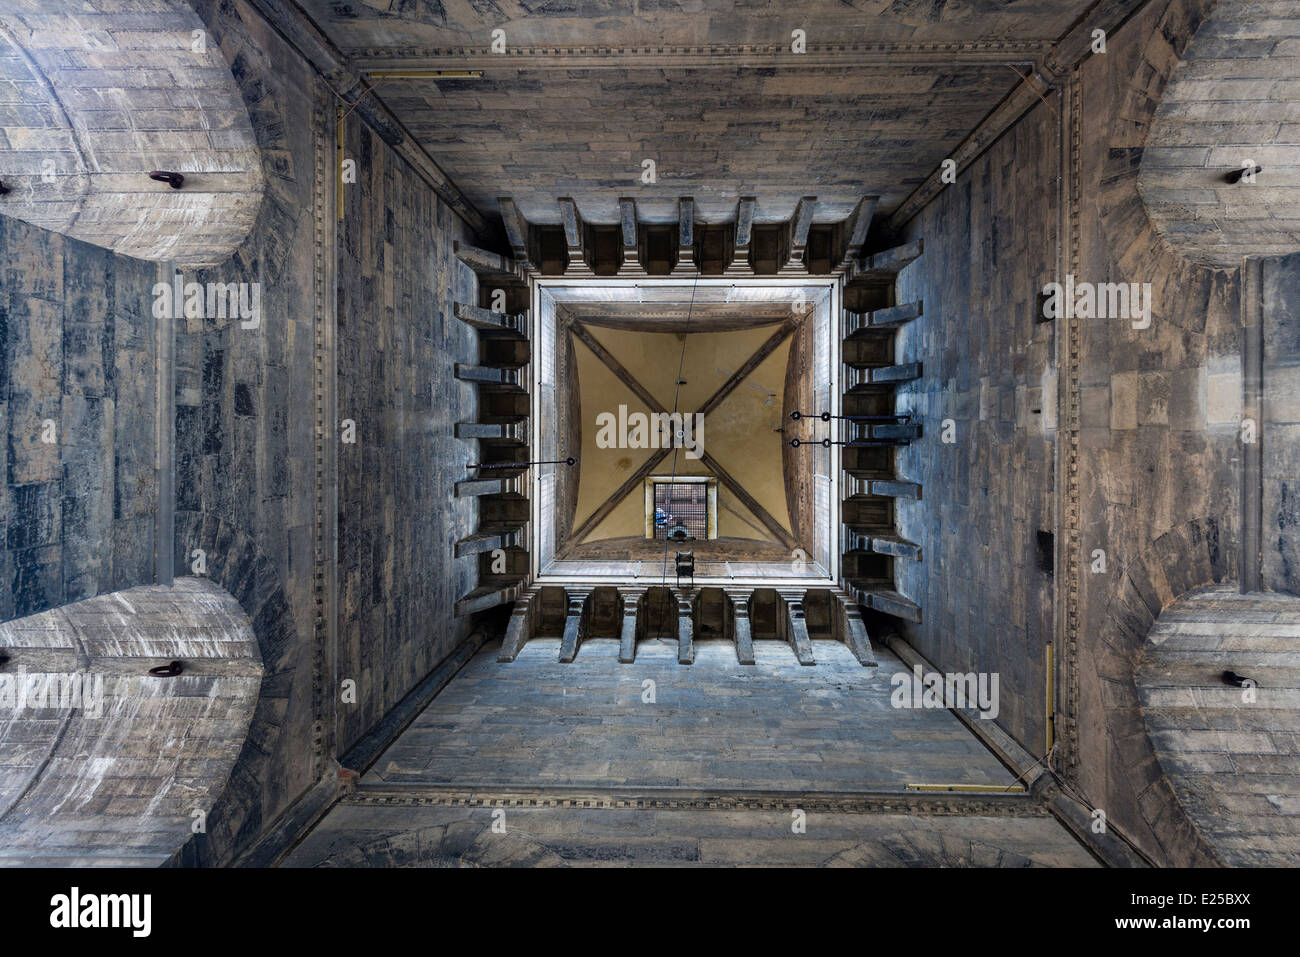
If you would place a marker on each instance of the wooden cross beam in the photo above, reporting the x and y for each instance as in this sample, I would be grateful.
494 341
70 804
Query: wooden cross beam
752 363
620 371
634 482
751 503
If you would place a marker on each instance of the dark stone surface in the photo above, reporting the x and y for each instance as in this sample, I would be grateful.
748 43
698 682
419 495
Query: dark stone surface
1159 455
989 248
398 521
1281 425
78 349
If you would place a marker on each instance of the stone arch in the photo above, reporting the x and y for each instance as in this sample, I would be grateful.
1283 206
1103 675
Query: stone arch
269 80
1141 253
105 763
1229 99
235 563
1228 753
1185 558
105 98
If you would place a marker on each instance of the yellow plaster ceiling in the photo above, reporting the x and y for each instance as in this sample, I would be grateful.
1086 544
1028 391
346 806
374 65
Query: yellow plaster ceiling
740 433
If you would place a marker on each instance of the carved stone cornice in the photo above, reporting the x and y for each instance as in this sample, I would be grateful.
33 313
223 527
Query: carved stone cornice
649 798
701 56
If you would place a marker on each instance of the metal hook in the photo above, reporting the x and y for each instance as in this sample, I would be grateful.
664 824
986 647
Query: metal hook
174 180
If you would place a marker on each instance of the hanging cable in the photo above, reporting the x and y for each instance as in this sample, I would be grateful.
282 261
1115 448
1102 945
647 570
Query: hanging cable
677 389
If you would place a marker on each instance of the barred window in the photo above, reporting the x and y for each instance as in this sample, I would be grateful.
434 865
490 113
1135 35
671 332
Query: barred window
682 508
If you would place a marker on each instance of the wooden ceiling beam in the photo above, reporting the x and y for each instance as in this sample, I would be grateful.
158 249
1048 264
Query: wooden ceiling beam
620 371
751 503
635 481
752 363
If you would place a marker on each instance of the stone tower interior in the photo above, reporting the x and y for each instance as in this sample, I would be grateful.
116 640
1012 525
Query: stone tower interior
528 434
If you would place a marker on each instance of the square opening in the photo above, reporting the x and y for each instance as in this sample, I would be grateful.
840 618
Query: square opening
682 508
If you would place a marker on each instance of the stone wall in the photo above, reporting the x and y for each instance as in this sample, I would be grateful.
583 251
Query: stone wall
715 134
990 244
1158 455
1234 97
106 764
1147 436
79 514
77 403
1231 755
244 432
1280 465
398 516
92 100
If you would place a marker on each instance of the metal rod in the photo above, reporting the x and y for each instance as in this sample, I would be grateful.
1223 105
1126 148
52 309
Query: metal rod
873 444
426 74
826 417
520 465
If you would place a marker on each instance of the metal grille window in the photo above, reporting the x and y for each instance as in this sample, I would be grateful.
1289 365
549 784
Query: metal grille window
681 509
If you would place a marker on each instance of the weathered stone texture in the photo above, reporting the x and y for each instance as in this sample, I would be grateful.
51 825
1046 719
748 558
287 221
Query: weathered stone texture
989 248
611 23
1231 756
78 362
398 519
1159 478
1232 98
104 764
774 725
716 134
1281 425
367 836
92 100
244 433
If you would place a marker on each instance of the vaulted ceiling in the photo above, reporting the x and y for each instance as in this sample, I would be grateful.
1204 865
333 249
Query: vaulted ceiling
743 433
710 90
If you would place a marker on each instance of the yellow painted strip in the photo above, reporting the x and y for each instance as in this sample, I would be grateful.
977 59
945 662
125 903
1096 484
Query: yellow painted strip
1051 694
338 163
